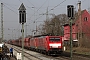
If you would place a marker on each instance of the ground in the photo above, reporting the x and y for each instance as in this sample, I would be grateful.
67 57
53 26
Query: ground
80 50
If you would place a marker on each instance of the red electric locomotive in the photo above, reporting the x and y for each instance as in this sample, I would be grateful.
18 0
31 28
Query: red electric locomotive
43 44
47 44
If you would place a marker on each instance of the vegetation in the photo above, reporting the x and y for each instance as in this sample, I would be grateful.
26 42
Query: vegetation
54 25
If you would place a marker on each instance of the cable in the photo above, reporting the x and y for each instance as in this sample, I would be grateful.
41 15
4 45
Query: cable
83 0
5 5
20 1
42 4
39 9
8 7
52 8
57 5
11 9
30 3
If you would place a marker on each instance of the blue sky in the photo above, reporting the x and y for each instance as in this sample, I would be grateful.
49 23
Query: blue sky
12 26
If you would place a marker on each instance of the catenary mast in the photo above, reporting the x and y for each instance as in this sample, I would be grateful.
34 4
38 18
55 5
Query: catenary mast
1 22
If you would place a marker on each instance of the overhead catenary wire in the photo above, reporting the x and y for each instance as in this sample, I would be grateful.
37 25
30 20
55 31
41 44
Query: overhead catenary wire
6 5
39 9
52 8
20 1
10 9
31 3
57 5
41 6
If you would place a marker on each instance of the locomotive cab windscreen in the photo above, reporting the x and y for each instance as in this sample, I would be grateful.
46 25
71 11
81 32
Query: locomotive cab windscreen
53 39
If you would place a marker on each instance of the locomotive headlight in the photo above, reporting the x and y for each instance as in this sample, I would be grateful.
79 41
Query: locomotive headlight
55 45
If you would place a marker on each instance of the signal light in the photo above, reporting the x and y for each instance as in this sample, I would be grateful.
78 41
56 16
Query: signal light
70 11
22 16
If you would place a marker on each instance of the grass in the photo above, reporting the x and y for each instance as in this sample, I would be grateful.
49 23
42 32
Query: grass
79 50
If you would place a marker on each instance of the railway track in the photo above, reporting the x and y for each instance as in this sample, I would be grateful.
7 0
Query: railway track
30 55
26 54
41 56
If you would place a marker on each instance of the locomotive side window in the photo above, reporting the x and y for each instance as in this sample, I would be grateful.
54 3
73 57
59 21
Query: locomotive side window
54 39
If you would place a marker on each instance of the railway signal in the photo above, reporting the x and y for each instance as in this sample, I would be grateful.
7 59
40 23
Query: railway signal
70 13
22 20
22 14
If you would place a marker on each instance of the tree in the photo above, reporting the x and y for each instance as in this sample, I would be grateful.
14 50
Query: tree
54 25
